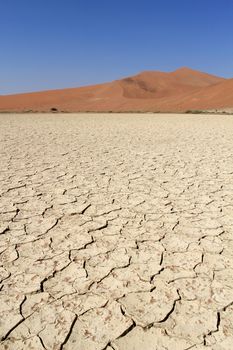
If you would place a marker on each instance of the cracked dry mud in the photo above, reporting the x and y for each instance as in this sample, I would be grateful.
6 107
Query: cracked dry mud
116 232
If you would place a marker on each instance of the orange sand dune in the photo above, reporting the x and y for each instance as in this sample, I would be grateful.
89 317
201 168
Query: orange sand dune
180 90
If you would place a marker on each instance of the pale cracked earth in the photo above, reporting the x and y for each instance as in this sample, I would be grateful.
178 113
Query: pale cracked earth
116 232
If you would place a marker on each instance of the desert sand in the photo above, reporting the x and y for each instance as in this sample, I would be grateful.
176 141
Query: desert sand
116 232
179 91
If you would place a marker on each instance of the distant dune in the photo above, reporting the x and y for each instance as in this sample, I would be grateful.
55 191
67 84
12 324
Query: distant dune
178 91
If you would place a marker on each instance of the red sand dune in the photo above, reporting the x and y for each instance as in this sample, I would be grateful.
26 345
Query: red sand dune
181 90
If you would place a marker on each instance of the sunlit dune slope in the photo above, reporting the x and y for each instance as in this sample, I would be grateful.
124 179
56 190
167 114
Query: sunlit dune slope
181 90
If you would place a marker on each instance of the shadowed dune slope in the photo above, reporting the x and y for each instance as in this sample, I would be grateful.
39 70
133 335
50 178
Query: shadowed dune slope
180 90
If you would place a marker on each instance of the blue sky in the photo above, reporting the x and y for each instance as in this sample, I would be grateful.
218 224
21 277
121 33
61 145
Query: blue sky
46 44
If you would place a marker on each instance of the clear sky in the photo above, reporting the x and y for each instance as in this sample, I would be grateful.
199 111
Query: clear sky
47 44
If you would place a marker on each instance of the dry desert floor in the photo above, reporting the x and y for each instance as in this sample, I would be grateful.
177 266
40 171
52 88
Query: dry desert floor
116 232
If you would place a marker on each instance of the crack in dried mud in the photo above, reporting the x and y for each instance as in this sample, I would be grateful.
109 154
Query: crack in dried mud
116 232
